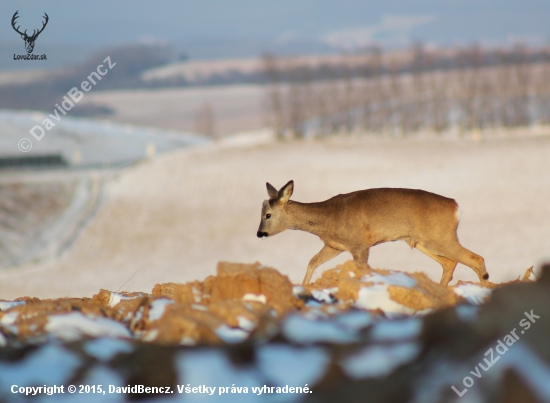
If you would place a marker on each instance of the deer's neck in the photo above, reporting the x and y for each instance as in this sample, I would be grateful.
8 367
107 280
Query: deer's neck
309 217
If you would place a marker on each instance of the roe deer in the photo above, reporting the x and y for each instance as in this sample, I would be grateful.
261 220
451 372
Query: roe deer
357 221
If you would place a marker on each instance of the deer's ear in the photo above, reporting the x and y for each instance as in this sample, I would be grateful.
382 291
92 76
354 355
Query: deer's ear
271 191
286 191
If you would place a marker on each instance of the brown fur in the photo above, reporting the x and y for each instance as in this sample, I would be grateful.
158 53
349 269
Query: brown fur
357 221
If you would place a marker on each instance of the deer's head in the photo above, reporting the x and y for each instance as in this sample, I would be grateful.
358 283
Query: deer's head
274 216
29 39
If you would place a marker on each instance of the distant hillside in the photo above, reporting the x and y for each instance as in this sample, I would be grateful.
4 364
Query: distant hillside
154 66
44 90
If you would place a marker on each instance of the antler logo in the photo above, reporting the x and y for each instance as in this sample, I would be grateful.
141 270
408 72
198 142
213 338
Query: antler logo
29 40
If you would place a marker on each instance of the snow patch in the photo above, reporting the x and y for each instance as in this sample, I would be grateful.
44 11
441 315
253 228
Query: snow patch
9 318
197 295
378 297
104 349
394 330
72 326
299 329
5 305
394 278
467 313
49 365
245 323
298 290
378 361
187 341
100 375
473 293
424 312
115 298
322 296
293 366
150 335
157 308
354 320
231 335
213 367
254 297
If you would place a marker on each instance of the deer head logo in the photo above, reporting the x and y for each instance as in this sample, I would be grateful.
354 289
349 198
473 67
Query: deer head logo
29 40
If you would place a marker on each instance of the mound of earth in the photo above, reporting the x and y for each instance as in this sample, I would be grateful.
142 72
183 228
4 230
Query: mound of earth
249 334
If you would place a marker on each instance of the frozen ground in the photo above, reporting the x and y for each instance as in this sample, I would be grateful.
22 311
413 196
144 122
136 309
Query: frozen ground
174 218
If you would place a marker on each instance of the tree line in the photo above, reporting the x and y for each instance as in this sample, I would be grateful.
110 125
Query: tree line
462 90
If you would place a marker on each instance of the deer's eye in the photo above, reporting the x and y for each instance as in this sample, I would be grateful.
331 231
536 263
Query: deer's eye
268 216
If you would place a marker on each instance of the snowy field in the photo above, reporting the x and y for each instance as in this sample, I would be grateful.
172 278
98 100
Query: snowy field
86 142
175 217
235 107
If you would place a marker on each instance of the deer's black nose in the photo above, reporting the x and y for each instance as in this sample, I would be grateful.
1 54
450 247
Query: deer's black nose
261 234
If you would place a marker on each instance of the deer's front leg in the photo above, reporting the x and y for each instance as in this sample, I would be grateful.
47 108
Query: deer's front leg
323 256
361 255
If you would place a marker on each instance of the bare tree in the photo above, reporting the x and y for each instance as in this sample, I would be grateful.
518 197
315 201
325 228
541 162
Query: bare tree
439 102
396 98
297 111
542 89
416 106
378 110
348 102
522 82
204 120
468 87
275 99
474 88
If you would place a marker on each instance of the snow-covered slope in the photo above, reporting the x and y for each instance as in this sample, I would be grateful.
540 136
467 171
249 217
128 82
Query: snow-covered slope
84 142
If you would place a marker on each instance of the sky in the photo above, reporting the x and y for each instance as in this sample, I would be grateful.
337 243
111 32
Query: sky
241 28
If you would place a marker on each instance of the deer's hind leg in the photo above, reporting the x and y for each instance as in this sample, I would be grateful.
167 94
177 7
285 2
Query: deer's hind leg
323 256
470 259
447 264
453 250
